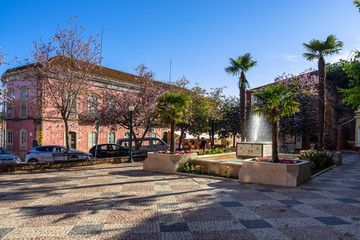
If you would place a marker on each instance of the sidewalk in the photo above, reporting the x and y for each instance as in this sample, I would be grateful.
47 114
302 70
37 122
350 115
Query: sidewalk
120 201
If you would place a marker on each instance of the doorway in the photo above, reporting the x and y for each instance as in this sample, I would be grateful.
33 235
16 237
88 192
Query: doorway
72 139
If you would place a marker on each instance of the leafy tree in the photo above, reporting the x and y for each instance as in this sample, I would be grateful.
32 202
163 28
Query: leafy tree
114 110
172 108
238 68
357 4
229 124
318 50
215 115
352 92
304 122
64 67
274 102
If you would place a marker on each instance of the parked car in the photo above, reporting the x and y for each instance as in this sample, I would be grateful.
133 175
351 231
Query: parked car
150 144
7 157
50 153
109 150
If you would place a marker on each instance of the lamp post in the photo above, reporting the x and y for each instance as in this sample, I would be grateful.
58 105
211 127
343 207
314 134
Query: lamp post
131 109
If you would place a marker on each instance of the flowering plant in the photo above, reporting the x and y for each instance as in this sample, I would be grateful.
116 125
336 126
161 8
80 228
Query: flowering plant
281 161
175 152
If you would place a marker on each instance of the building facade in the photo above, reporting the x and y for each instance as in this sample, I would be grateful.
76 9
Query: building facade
25 126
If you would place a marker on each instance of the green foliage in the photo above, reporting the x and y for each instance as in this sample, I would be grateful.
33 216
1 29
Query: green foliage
226 172
229 124
352 93
172 107
274 102
317 48
214 151
319 160
191 167
357 4
241 65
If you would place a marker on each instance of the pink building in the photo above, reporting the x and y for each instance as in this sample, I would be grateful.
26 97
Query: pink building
24 125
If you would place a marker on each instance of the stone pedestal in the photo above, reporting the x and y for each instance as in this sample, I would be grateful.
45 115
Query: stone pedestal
248 150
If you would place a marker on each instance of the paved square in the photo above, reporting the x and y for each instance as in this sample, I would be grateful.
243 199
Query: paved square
120 201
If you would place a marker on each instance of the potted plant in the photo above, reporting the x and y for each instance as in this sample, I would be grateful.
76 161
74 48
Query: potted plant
274 102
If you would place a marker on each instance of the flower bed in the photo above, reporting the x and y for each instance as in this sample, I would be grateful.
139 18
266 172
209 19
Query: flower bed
176 152
281 161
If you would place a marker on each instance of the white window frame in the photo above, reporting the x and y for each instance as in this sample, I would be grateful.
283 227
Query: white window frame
114 137
23 102
22 143
8 142
10 104
92 139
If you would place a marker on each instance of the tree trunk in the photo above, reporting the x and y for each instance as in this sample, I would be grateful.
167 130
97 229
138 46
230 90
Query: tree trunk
234 140
212 133
182 130
172 133
275 141
322 101
242 107
67 137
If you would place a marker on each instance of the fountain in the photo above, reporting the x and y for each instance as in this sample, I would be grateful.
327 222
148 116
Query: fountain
259 134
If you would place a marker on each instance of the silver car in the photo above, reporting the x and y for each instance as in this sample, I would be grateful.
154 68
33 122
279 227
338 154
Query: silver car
51 153
7 157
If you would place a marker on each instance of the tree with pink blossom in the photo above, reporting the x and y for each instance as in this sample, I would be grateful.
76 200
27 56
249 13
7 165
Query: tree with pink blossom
114 110
63 69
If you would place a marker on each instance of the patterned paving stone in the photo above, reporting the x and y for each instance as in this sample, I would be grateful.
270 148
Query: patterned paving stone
332 220
120 201
174 227
4 231
257 223
86 229
290 202
347 200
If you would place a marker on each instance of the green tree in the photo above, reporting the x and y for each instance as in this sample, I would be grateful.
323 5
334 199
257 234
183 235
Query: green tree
238 68
172 108
357 4
352 93
275 102
318 50
229 125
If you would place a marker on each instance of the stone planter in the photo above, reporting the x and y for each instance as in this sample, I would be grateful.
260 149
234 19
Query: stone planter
166 163
287 175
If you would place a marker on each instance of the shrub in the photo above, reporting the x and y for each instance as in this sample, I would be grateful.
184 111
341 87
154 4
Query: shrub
191 167
319 160
214 151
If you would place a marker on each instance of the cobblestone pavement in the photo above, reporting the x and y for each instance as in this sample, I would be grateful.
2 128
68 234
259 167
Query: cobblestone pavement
120 201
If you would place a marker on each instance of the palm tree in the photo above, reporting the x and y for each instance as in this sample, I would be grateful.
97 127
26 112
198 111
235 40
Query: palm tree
318 50
239 67
274 102
172 108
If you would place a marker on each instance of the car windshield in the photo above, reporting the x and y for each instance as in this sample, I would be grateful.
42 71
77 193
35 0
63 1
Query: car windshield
4 151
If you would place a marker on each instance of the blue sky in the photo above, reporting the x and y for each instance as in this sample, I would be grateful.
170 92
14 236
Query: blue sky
199 35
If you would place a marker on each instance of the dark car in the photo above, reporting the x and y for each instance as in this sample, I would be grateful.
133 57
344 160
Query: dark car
109 150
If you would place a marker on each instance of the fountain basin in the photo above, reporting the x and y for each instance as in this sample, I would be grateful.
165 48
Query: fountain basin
249 150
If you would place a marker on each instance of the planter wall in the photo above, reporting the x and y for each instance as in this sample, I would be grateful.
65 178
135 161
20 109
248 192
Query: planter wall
166 163
219 167
287 175
222 156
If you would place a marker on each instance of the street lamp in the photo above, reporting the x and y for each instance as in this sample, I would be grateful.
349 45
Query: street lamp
131 109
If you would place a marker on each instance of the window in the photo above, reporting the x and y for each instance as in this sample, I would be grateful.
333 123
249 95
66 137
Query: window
23 138
72 105
10 104
93 103
112 137
92 139
23 102
9 140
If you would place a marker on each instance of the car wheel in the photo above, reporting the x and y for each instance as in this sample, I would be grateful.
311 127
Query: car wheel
33 160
